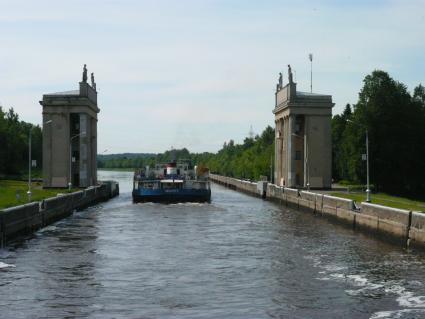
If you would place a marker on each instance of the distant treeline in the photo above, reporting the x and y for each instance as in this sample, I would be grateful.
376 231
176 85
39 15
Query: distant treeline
125 160
249 160
14 144
141 160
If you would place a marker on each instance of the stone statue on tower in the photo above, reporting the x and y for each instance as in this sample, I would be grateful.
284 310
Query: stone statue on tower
93 83
85 74
290 74
280 80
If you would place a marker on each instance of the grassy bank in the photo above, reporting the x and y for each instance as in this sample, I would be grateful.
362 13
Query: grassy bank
386 200
117 169
9 189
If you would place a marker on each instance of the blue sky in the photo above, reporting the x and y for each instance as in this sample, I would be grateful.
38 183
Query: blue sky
197 73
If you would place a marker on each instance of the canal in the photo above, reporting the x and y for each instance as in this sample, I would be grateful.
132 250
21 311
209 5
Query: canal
238 257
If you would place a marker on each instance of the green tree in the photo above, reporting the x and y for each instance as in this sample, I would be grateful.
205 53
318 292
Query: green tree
249 160
340 154
395 122
419 95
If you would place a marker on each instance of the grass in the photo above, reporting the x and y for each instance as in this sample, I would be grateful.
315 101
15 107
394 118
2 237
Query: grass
386 200
9 189
116 169
344 182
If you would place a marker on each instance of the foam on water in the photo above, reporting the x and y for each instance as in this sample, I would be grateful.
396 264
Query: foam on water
148 204
412 304
408 299
397 314
4 265
188 204
334 268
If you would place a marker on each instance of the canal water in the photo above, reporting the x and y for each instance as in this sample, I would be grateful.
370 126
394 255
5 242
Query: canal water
238 257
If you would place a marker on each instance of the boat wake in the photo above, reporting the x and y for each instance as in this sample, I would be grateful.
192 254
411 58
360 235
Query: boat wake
413 306
5 266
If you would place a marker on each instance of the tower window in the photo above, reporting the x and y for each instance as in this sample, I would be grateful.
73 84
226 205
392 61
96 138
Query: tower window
297 155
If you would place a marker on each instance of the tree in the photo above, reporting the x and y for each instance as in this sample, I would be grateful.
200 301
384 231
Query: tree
339 153
14 144
419 95
395 122
249 160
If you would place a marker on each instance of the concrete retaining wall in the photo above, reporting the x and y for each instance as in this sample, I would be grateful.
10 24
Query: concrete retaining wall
417 230
291 192
346 216
18 220
23 219
385 220
307 201
330 205
248 187
274 192
56 208
395 224
112 188
237 184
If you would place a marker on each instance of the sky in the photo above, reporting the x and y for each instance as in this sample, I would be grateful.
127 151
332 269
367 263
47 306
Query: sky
197 73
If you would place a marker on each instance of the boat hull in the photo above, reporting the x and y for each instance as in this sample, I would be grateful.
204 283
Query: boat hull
171 195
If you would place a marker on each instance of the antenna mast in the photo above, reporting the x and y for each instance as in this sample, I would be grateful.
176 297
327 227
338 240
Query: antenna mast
251 133
310 57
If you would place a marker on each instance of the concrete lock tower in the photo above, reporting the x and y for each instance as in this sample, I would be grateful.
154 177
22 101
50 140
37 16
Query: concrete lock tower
303 142
70 138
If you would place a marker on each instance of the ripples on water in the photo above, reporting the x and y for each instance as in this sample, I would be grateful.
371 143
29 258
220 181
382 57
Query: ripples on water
237 257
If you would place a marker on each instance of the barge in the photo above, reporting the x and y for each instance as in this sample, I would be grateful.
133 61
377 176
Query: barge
172 183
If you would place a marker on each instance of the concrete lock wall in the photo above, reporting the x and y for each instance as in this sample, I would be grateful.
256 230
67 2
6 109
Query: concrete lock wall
307 201
247 186
112 188
291 197
56 208
417 230
394 224
275 192
19 220
237 184
385 220
291 192
330 205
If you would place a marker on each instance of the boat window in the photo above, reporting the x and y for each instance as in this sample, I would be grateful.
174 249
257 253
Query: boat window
151 185
171 185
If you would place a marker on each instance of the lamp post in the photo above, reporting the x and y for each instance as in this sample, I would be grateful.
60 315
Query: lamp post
30 162
367 168
70 158
307 168
271 168
367 160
